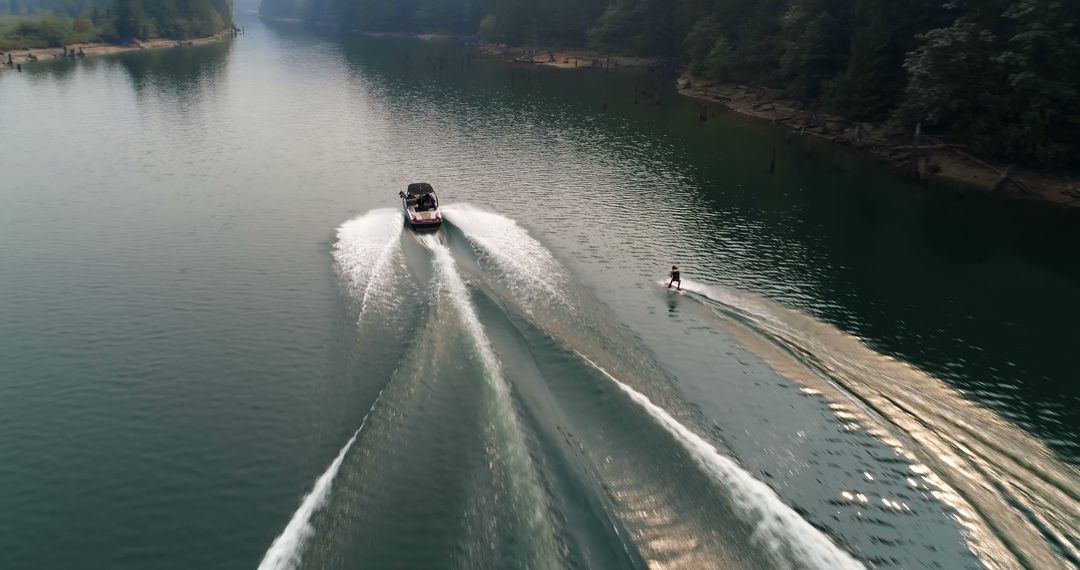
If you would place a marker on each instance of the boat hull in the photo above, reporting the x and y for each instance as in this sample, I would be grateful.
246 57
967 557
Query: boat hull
424 226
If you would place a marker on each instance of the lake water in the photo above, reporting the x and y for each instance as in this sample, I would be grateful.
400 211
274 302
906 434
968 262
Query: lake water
219 347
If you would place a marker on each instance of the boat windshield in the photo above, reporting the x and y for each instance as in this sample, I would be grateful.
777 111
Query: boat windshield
426 202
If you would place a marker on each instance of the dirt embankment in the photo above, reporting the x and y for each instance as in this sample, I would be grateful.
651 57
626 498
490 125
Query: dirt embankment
571 59
25 56
923 157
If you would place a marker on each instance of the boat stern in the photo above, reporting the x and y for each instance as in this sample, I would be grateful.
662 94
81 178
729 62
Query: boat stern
424 221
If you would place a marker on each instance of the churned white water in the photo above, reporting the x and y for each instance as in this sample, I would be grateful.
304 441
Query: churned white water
527 266
528 496
365 252
532 269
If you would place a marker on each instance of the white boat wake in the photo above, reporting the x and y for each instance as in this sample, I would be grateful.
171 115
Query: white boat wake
287 550
365 252
787 537
1016 501
528 495
528 266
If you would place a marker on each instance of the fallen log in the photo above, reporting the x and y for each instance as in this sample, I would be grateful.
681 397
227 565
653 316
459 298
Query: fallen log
1023 186
1001 180
940 146
1005 176
976 161
900 157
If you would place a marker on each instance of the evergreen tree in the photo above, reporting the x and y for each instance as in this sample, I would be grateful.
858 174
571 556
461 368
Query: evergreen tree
177 19
128 18
817 36
69 8
643 27
1007 82
884 33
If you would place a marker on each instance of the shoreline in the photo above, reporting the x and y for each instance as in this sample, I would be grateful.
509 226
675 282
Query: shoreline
32 55
927 159
561 58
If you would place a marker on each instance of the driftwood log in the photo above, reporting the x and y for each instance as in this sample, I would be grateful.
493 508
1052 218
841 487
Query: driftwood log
1003 176
1002 179
941 146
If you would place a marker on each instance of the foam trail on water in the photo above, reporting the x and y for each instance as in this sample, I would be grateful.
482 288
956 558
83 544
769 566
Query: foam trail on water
527 264
527 491
286 551
1014 498
364 251
779 527
537 275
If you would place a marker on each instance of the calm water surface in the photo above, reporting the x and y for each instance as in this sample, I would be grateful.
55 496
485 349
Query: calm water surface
220 349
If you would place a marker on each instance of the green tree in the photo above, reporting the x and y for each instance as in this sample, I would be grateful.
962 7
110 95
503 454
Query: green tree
178 19
488 27
47 31
128 16
700 42
1009 83
884 32
642 27
816 45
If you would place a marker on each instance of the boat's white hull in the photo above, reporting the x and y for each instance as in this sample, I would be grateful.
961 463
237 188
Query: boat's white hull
423 221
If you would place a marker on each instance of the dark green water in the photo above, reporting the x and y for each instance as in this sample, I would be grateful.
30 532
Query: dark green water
202 301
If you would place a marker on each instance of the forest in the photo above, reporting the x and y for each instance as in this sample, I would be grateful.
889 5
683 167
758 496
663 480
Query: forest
170 18
69 8
1002 76
53 23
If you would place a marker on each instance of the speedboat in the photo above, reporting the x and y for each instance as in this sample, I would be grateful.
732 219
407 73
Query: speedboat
421 206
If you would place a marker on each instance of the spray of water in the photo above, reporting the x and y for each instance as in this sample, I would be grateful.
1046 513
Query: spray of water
527 492
528 267
532 268
365 252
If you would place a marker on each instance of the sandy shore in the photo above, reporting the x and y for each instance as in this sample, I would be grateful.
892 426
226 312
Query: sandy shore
930 159
27 56
569 59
